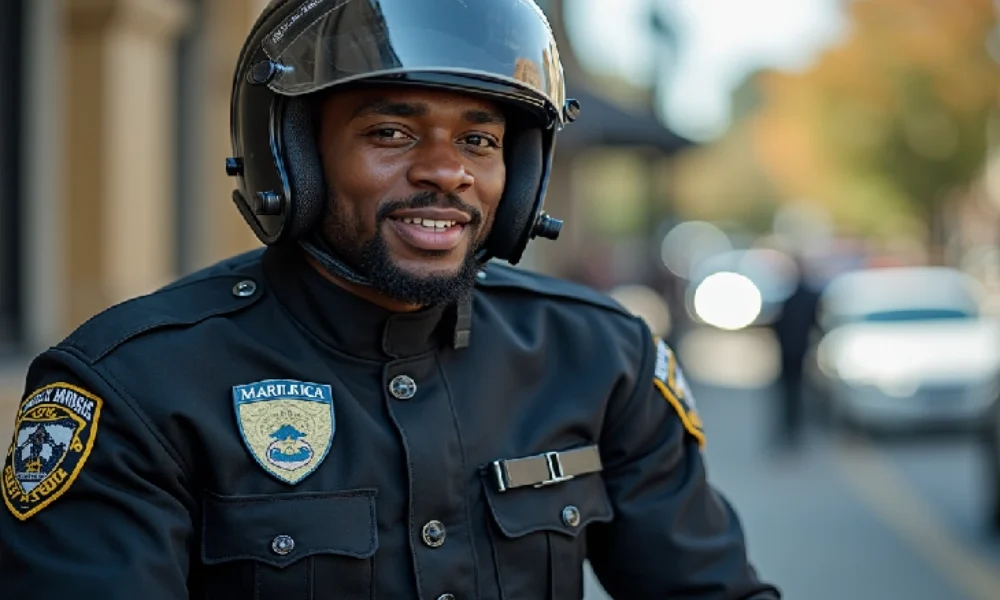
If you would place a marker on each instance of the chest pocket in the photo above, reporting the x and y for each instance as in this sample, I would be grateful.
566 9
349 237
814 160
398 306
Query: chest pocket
539 535
276 547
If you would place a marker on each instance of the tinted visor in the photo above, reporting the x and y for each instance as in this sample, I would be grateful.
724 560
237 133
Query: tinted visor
507 42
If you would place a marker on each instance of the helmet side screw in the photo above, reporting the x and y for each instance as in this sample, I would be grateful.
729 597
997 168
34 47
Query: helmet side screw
547 227
571 111
262 73
234 166
268 203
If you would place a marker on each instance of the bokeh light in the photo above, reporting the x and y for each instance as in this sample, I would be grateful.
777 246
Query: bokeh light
728 301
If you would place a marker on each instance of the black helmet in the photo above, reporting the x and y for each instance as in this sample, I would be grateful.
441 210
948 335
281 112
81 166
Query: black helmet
501 49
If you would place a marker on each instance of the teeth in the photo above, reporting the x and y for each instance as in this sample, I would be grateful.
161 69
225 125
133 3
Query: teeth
429 223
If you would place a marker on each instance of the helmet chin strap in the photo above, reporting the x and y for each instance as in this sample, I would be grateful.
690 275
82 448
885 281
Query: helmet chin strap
321 252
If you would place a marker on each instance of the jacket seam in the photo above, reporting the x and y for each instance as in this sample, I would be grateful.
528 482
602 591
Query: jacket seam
72 340
465 463
555 296
645 373
115 385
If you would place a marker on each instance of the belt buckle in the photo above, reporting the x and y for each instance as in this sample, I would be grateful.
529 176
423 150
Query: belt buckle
498 471
553 463
556 473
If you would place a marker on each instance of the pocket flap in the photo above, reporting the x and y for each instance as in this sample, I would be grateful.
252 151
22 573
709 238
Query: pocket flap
247 527
566 507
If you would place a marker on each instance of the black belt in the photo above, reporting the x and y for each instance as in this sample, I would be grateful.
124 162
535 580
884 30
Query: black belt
546 469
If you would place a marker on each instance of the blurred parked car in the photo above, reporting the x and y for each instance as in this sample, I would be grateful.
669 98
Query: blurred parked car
903 347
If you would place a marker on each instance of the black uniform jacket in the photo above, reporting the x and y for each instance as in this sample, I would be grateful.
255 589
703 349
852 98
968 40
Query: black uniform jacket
254 432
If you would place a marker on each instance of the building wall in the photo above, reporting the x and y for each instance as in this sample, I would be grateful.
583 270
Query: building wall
99 218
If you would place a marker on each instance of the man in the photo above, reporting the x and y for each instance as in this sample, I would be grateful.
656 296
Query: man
793 329
365 409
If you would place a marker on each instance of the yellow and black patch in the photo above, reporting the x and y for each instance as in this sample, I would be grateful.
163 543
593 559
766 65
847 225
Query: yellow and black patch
669 379
53 435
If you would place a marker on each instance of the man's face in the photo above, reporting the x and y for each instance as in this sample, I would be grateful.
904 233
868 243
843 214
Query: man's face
415 177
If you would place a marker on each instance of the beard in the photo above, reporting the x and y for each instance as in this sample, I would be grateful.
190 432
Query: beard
373 258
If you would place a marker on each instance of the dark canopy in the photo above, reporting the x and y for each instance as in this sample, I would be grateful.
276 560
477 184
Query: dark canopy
603 123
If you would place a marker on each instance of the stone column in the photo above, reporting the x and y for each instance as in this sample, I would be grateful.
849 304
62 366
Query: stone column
119 117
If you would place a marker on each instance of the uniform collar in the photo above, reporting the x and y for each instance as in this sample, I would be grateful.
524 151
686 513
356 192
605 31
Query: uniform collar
346 321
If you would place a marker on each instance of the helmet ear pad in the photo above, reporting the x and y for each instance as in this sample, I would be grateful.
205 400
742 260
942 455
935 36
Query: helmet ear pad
524 153
299 153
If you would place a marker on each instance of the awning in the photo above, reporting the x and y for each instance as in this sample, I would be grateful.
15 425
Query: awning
603 123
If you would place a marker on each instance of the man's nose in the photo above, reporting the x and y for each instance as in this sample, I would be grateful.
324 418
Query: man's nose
439 168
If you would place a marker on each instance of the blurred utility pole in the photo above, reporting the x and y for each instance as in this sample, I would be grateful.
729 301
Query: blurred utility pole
665 33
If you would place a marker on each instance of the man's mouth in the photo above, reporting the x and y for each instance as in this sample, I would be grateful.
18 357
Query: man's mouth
430 224
430 229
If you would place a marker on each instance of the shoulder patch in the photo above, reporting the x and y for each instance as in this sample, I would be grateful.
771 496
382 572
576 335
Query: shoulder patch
178 305
501 276
54 432
669 380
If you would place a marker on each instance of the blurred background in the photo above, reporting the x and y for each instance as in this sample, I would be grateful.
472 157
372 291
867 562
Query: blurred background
802 196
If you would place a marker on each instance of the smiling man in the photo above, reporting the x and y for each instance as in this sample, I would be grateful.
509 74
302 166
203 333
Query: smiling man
429 166
369 407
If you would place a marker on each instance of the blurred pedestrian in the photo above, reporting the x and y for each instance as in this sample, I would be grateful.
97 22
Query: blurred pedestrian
793 329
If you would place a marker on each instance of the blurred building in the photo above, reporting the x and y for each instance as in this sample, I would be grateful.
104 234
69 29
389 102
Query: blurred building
114 126
115 120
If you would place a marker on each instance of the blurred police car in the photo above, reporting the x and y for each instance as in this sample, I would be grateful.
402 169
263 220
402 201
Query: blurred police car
907 346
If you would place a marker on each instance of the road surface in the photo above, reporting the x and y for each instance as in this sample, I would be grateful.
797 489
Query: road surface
859 519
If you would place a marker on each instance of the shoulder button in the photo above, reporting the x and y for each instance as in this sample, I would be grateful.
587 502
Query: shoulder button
245 288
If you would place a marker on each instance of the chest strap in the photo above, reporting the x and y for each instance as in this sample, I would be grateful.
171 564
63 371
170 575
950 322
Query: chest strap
546 469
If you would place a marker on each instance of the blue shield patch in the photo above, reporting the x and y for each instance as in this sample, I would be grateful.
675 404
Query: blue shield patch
287 425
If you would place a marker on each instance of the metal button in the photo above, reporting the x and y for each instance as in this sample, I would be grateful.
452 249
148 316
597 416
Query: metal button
402 387
245 288
446 597
571 516
282 545
481 275
434 534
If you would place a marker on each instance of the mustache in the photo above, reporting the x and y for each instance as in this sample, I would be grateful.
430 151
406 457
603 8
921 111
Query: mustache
427 199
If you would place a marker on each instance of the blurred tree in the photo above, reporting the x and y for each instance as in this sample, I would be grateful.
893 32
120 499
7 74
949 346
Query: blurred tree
892 120
887 125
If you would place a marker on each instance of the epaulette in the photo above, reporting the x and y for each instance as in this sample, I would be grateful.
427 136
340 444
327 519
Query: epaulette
500 276
224 288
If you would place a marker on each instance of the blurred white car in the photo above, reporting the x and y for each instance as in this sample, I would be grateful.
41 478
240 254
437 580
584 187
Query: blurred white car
907 346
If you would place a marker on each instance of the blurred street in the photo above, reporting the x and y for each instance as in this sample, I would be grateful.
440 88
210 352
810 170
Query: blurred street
860 519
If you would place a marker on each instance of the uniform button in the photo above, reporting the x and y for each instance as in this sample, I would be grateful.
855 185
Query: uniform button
282 545
434 534
402 387
481 275
446 597
245 288
571 516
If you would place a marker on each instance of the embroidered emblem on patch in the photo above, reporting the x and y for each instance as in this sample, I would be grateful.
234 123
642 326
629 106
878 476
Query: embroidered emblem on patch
54 433
287 425
670 380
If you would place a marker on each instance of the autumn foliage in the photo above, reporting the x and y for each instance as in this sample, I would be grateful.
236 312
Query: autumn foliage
885 125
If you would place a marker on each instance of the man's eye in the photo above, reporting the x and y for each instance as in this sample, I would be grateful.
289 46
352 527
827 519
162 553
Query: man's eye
388 133
481 141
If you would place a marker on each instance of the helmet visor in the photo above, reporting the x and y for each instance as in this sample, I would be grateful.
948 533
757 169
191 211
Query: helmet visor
325 42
